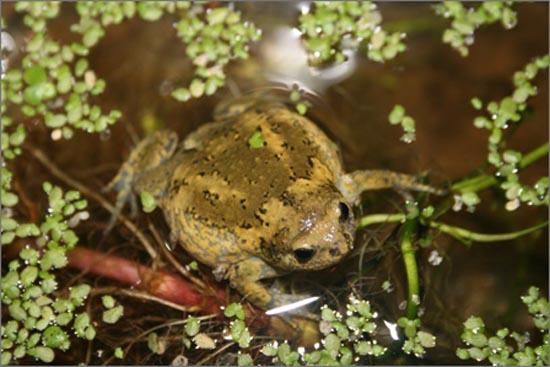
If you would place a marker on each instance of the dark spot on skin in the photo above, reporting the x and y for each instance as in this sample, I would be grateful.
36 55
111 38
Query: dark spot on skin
246 225
259 218
285 198
348 238
176 185
277 156
276 128
262 210
335 251
310 161
269 248
201 173
284 145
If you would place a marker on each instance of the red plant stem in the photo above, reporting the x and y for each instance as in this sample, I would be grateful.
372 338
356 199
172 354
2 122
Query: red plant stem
161 284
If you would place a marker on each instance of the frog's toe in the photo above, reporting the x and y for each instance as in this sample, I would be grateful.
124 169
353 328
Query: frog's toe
123 185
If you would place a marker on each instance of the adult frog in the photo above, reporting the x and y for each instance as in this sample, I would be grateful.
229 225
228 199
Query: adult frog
258 193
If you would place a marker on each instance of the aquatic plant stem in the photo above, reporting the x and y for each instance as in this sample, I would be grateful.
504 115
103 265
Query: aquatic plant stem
484 181
467 236
459 233
409 258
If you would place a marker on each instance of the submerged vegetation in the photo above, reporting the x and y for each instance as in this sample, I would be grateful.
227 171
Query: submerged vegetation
54 84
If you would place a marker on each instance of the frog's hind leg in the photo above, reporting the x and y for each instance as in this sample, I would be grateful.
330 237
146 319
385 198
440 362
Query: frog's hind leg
353 184
149 154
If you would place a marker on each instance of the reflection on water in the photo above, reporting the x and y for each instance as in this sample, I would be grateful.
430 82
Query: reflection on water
140 61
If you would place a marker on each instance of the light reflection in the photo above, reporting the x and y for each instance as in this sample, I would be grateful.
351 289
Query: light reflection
392 328
291 306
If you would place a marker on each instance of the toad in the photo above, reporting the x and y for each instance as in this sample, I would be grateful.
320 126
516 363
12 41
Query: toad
258 193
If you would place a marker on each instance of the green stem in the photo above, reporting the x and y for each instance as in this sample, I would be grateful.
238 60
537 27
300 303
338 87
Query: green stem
409 258
467 236
534 155
484 181
368 220
457 232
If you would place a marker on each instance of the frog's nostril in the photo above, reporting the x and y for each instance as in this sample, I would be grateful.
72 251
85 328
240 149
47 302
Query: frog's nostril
303 255
335 251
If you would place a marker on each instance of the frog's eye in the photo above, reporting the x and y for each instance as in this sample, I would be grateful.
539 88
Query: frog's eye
344 212
303 255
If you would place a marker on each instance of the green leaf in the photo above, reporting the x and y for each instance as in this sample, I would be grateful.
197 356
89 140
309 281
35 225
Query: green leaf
119 353
427 340
256 140
35 75
181 94
55 337
148 202
113 315
396 115
235 309
108 301
244 359
192 327
45 354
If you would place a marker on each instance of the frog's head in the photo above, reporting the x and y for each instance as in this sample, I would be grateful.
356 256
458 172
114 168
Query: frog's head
322 234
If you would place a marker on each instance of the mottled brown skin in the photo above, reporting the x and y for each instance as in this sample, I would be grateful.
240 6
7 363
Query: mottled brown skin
249 212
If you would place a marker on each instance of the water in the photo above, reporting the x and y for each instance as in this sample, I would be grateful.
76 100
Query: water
140 61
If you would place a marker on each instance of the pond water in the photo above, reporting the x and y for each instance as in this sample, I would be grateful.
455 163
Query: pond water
142 61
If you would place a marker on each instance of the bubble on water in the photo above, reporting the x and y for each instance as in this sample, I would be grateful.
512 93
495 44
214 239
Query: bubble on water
105 135
8 45
457 206
56 134
166 88
512 205
435 259
408 138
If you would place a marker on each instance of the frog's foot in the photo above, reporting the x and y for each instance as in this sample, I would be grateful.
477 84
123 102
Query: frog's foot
245 276
147 156
353 184
122 183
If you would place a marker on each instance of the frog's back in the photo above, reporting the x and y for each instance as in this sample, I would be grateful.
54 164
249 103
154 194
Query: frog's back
221 192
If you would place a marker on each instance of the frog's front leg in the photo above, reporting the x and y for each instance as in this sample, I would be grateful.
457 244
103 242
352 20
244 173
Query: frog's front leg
245 277
149 154
353 184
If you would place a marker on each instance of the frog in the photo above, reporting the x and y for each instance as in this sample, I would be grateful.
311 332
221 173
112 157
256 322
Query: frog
256 194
